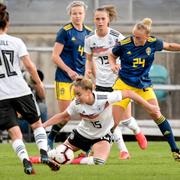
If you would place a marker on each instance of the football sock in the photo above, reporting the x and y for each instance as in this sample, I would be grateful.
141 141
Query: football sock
118 138
166 130
54 131
131 123
40 138
98 161
20 149
87 160
91 161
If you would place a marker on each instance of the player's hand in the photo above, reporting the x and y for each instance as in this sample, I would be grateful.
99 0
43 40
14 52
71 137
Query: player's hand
72 74
88 73
40 90
115 68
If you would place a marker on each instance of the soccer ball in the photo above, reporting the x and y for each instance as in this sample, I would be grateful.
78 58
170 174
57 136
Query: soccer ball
62 154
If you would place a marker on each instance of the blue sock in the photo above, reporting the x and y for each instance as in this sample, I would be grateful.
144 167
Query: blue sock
166 130
54 131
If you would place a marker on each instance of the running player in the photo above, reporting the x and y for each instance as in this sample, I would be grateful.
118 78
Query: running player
97 46
94 130
16 96
68 55
137 55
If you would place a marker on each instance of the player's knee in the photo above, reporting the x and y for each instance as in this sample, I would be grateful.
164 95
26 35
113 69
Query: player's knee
156 116
98 161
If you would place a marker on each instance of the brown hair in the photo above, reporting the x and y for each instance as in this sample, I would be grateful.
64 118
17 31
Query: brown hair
145 24
84 83
4 16
111 11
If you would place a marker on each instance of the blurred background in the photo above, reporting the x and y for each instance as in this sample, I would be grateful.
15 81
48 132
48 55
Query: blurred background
37 21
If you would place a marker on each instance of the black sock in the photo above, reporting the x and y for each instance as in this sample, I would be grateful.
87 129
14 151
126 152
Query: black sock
54 131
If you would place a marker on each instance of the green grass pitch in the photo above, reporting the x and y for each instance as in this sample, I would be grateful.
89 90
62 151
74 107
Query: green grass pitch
155 163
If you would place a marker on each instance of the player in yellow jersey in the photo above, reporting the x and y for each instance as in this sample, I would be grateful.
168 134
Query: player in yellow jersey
68 55
137 55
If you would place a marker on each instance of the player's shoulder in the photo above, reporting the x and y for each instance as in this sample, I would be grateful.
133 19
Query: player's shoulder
90 35
88 28
114 32
125 41
14 39
68 27
152 39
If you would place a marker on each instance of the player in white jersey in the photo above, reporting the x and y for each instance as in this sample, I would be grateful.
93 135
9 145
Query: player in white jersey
16 96
94 130
97 47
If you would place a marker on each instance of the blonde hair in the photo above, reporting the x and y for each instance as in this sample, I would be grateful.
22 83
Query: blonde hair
83 82
145 24
110 10
75 4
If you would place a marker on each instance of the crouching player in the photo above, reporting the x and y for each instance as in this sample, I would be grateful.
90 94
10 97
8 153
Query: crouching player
94 130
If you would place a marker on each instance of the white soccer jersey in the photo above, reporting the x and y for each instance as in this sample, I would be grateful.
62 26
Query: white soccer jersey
12 83
99 47
97 119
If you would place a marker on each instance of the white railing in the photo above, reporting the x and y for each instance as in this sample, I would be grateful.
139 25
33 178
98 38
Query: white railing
167 87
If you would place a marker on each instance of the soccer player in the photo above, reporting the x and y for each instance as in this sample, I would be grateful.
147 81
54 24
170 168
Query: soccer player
137 55
97 46
68 55
94 130
16 96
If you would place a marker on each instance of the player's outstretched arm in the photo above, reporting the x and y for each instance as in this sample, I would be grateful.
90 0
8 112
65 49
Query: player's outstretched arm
171 46
58 118
134 96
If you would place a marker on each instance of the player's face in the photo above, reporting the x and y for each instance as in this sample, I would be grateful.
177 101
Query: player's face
101 20
140 37
77 15
82 95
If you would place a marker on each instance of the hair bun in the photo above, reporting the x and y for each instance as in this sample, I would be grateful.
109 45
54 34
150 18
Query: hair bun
147 21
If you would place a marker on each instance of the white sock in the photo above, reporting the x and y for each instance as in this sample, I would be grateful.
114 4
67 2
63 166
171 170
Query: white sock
20 149
119 139
87 160
40 138
131 123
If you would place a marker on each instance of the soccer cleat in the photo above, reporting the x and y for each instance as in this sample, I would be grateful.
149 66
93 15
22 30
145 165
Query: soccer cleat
142 141
81 155
28 169
44 156
50 144
54 166
123 155
35 159
176 156
46 160
77 160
